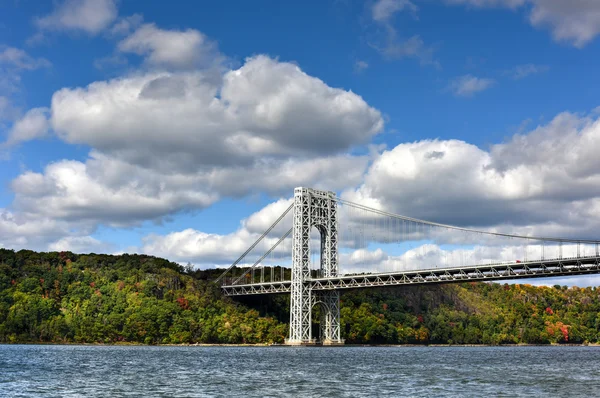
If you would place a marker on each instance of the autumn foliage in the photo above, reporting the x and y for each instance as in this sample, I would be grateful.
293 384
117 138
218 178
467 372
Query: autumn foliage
64 297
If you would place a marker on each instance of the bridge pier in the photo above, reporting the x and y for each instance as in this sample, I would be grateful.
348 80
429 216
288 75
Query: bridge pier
333 343
313 208
330 317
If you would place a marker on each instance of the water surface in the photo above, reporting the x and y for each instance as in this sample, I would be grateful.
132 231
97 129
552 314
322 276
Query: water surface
141 371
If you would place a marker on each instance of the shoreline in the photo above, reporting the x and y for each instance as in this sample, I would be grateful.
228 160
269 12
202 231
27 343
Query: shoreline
284 345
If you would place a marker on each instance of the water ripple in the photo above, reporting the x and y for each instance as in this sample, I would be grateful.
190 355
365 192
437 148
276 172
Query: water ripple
100 371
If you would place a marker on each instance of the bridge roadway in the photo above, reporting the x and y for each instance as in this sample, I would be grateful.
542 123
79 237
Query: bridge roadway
503 271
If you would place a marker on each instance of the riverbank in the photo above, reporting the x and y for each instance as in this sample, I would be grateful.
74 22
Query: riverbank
134 344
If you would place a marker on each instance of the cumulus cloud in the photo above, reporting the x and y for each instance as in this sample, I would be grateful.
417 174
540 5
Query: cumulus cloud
34 124
209 249
79 244
164 142
260 221
105 190
180 49
90 16
469 85
575 21
378 249
186 120
512 186
17 231
111 191
199 247
168 142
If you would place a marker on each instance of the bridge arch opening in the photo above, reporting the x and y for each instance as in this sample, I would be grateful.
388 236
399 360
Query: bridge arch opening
317 250
318 311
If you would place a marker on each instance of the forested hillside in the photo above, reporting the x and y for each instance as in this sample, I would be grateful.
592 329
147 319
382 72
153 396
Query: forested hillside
69 298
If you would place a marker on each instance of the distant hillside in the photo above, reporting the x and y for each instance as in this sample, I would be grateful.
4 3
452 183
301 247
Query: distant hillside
69 298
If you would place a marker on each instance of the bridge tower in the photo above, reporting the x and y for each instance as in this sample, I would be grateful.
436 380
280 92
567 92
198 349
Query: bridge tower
314 208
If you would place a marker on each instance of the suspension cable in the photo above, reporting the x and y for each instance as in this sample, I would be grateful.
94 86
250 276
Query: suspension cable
264 255
255 243
416 220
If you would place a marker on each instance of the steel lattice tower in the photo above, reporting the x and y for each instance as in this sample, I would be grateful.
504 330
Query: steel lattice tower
313 208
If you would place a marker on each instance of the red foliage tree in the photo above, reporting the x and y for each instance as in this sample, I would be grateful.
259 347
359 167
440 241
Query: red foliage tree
183 303
565 331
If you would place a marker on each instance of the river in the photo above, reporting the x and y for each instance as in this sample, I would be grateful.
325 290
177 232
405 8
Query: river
143 371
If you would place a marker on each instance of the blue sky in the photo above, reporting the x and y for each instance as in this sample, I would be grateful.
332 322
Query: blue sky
179 128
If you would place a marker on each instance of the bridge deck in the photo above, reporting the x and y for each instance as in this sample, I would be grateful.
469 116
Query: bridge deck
532 269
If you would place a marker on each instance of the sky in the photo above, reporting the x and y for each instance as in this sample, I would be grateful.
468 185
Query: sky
180 129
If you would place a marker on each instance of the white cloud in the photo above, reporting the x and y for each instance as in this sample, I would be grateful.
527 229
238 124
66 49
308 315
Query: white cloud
360 66
7 110
413 47
17 231
510 188
34 124
13 62
523 71
199 247
111 62
79 244
172 48
394 46
489 3
579 281
431 256
513 186
383 9
90 16
469 85
105 190
209 249
265 109
461 248
167 142
260 221
125 26
17 59
108 190
573 21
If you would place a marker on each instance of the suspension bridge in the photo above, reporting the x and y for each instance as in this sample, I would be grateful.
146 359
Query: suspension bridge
322 244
